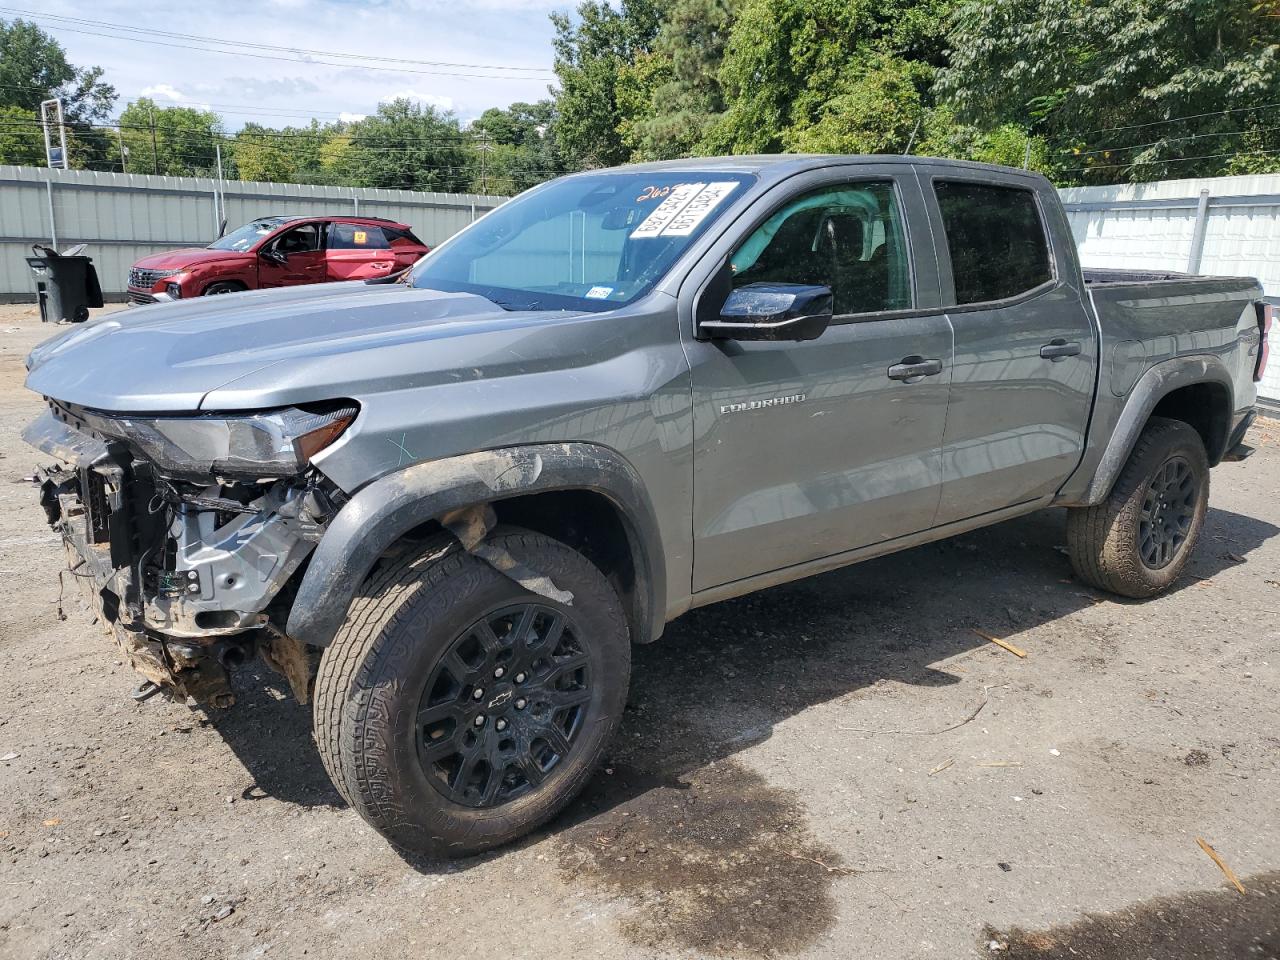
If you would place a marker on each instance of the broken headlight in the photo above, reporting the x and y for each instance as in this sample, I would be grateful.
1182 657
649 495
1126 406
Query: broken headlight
272 443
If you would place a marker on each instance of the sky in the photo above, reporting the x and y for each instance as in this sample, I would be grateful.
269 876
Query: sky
273 87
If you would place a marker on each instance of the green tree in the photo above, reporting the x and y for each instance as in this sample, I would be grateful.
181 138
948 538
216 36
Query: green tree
21 141
801 72
873 111
640 108
409 146
1128 89
591 52
334 156
681 82
34 67
172 141
264 155
515 148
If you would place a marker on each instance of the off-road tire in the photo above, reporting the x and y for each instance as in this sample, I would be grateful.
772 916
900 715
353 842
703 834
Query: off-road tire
223 286
407 615
1103 540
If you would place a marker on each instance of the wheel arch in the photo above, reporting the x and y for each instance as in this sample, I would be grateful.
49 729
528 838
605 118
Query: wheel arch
1196 390
585 495
234 281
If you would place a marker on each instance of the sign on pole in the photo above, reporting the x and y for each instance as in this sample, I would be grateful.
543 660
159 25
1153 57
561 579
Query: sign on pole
55 148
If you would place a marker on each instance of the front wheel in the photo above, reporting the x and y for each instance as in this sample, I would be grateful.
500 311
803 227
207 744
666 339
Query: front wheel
1137 541
221 287
456 711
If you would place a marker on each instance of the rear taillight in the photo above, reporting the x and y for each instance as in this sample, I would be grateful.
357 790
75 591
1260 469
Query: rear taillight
1265 313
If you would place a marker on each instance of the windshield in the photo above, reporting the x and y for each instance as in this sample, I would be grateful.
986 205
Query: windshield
584 243
245 237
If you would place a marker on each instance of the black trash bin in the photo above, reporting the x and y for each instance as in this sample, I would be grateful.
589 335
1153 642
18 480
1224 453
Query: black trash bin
67 286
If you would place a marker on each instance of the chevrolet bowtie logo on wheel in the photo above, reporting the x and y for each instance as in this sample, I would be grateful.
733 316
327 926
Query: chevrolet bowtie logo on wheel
500 699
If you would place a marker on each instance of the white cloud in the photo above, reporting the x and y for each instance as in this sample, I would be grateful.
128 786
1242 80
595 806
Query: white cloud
351 117
430 99
167 91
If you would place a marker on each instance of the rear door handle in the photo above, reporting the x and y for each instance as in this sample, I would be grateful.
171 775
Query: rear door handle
1059 349
912 369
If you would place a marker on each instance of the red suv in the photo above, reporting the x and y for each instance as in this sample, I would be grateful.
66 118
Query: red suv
279 252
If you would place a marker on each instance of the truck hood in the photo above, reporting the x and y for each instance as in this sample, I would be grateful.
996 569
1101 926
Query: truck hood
303 343
181 259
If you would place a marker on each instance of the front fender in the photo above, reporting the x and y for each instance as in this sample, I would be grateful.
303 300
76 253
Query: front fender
388 508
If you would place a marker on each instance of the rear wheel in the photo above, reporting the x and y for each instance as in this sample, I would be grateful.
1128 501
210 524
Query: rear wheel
456 711
1137 541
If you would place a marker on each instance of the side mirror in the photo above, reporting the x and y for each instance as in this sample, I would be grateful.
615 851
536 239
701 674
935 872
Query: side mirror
274 254
771 311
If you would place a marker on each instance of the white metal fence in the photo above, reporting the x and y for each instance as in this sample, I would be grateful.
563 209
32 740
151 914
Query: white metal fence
124 217
1221 225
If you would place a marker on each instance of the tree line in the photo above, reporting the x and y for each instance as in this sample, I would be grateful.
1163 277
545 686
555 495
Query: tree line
1086 92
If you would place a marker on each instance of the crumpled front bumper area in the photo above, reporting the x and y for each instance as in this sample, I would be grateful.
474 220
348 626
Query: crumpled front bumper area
182 582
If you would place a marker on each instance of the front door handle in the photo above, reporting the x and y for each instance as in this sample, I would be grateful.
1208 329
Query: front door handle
1059 349
912 369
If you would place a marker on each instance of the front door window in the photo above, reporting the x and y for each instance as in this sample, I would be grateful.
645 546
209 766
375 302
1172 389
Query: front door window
849 238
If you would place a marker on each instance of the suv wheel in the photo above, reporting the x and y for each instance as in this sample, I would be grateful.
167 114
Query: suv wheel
222 286
1136 542
456 711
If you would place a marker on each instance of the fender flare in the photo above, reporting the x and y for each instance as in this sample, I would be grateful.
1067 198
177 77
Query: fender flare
386 509
1152 387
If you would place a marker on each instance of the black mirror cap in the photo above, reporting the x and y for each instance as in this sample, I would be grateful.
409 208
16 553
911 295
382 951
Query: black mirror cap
772 311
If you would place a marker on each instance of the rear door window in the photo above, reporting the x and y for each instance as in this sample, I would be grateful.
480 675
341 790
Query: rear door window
400 237
356 236
996 240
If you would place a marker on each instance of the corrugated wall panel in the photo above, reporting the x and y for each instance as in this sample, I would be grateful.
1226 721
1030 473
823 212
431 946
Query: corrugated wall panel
124 217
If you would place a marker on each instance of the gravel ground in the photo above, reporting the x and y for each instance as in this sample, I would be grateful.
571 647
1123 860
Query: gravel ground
840 767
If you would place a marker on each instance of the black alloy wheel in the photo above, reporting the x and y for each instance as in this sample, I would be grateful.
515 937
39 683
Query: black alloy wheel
504 705
1168 511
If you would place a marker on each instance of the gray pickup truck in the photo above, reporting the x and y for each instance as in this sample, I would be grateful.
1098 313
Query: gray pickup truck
444 507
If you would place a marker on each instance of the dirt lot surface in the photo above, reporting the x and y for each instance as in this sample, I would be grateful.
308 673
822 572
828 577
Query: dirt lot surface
837 768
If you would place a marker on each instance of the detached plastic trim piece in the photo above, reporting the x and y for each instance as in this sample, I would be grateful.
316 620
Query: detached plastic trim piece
1241 451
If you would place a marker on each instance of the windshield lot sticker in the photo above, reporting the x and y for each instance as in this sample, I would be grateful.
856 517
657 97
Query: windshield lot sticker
697 209
653 193
599 293
666 211
361 236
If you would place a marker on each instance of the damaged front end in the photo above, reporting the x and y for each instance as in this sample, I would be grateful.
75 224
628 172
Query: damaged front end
185 533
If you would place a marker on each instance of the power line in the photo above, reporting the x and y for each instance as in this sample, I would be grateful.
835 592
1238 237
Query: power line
1190 136
267 46
264 56
1156 123
1207 156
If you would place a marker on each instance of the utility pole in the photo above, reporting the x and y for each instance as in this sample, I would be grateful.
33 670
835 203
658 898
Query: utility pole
124 151
155 153
222 190
483 147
